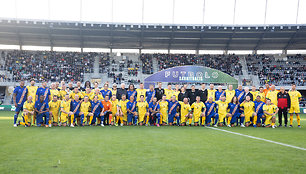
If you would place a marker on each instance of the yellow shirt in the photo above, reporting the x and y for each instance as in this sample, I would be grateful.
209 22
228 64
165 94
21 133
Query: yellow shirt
262 96
163 105
114 106
211 93
100 97
197 108
122 105
66 105
169 93
85 107
185 109
54 106
249 108
141 92
294 96
32 92
114 92
269 108
54 92
142 107
229 95
272 95
72 94
254 94
176 93
29 106
62 94
88 95
222 107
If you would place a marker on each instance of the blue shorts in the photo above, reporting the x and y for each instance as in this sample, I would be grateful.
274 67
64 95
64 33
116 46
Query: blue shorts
259 116
19 107
77 114
235 117
130 118
40 117
94 118
171 117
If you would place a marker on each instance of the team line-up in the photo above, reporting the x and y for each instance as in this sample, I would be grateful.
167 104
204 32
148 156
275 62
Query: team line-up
70 106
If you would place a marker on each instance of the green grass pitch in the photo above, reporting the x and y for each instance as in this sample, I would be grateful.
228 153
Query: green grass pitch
149 149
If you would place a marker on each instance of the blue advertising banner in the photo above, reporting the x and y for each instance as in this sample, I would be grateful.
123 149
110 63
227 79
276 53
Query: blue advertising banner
190 74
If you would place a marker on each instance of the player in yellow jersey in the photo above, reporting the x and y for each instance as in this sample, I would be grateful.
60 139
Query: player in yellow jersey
249 111
163 104
229 93
123 110
54 108
143 114
254 92
295 97
169 92
176 91
28 111
211 92
222 110
114 89
114 109
261 94
53 91
85 109
65 110
32 89
272 95
197 107
185 112
141 91
270 110
75 92
88 93
62 92
97 93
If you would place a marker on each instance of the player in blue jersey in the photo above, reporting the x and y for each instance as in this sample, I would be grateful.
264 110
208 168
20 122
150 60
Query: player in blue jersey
154 109
239 93
259 111
219 93
173 104
42 111
44 91
211 112
234 112
131 92
98 111
75 107
150 94
106 91
19 97
131 111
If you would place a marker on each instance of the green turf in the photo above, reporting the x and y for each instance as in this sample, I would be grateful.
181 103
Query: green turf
148 150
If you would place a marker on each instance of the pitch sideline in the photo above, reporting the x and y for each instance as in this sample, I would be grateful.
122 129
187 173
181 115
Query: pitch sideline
262 139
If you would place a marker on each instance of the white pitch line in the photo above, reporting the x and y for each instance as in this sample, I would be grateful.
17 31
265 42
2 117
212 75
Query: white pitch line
262 139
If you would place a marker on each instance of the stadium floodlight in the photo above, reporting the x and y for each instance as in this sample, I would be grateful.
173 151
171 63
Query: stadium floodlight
249 28
170 27
233 28
92 25
163 26
9 21
241 28
178 27
107 25
132 26
256 28
289 27
84 24
147 26
123 26
154 26
298 27
116 25
76 24
225 28
43 23
209 27
139 26
17 21
281 27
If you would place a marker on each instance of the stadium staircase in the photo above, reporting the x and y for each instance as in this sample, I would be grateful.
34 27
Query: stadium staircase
155 65
245 73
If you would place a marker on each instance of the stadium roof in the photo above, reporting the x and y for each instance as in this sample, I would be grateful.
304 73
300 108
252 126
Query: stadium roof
146 36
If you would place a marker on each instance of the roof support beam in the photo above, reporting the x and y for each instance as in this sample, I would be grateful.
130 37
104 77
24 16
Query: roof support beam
171 39
260 40
230 40
291 40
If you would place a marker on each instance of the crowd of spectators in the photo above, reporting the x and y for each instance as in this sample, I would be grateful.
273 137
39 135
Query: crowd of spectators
104 62
147 63
281 71
48 65
117 78
225 63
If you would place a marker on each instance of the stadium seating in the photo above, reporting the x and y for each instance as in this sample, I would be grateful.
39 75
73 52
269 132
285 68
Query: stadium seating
50 66
226 63
282 71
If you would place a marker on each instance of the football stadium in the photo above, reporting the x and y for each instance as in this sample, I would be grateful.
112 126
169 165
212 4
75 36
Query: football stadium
152 86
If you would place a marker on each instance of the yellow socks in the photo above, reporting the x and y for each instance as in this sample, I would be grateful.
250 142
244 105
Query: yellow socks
255 120
291 119
203 120
72 118
190 120
298 119
229 120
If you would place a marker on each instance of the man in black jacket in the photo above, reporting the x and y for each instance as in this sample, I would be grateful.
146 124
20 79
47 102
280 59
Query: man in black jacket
202 93
183 94
192 94
121 91
283 103
159 91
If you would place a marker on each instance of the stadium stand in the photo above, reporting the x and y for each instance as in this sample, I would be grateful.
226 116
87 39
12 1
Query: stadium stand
47 65
226 63
278 71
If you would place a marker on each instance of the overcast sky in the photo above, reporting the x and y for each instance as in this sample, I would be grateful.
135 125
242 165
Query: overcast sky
159 11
